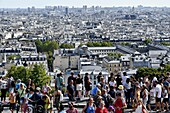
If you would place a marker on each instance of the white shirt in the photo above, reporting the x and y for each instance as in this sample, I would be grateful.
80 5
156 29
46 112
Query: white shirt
28 95
124 79
112 83
139 109
165 93
158 90
3 84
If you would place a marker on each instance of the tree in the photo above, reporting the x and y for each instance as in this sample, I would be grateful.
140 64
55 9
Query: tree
125 43
37 74
152 72
90 44
46 46
68 46
19 72
115 54
99 44
147 41
165 43
106 44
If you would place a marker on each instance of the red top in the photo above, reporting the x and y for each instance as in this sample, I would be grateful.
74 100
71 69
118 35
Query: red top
99 110
119 103
72 111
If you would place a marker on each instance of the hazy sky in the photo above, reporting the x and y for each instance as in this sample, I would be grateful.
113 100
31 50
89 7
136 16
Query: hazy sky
80 3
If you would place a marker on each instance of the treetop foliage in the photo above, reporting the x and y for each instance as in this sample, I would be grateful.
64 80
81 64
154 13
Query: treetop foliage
99 44
36 74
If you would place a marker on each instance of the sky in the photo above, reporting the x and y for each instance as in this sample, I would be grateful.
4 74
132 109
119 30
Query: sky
80 3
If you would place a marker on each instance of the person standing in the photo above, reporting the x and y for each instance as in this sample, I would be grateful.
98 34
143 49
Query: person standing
12 101
10 79
46 88
127 86
158 92
21 94
88 84
59 82
58 98
119 104
71 109
101 108
165 98
144 95
4 89
79 83
71 77
71 91
90 107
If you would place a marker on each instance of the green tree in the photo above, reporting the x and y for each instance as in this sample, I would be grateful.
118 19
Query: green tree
11 57
90 44
97 44
19 72
106 44
68 46
39 45
115 54
165 43
37 74
125 43
147 41
145 71
46 46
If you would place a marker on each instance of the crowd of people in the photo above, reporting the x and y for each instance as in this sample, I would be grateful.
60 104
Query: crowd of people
111 94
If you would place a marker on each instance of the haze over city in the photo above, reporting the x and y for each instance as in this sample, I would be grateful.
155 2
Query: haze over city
79 3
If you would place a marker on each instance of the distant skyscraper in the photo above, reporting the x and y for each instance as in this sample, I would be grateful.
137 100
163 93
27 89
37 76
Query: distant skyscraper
29 9
33 9
66 10
85 7
92 8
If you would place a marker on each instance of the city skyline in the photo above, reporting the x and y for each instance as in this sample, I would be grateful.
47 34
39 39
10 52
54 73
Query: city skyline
80 3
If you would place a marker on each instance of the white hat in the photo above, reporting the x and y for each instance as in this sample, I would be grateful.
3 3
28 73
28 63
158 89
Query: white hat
38 88
98 84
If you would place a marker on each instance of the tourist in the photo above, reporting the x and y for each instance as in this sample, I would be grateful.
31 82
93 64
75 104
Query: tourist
71 109
101 108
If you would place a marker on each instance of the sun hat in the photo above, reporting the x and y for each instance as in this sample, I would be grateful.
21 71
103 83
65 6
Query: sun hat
120 87
38 88
100 97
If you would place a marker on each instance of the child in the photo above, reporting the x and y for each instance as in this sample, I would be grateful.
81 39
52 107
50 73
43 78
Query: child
111 109
12 101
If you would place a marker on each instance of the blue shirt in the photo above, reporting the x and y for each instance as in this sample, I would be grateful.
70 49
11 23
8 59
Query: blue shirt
94 91
90 109
18 85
